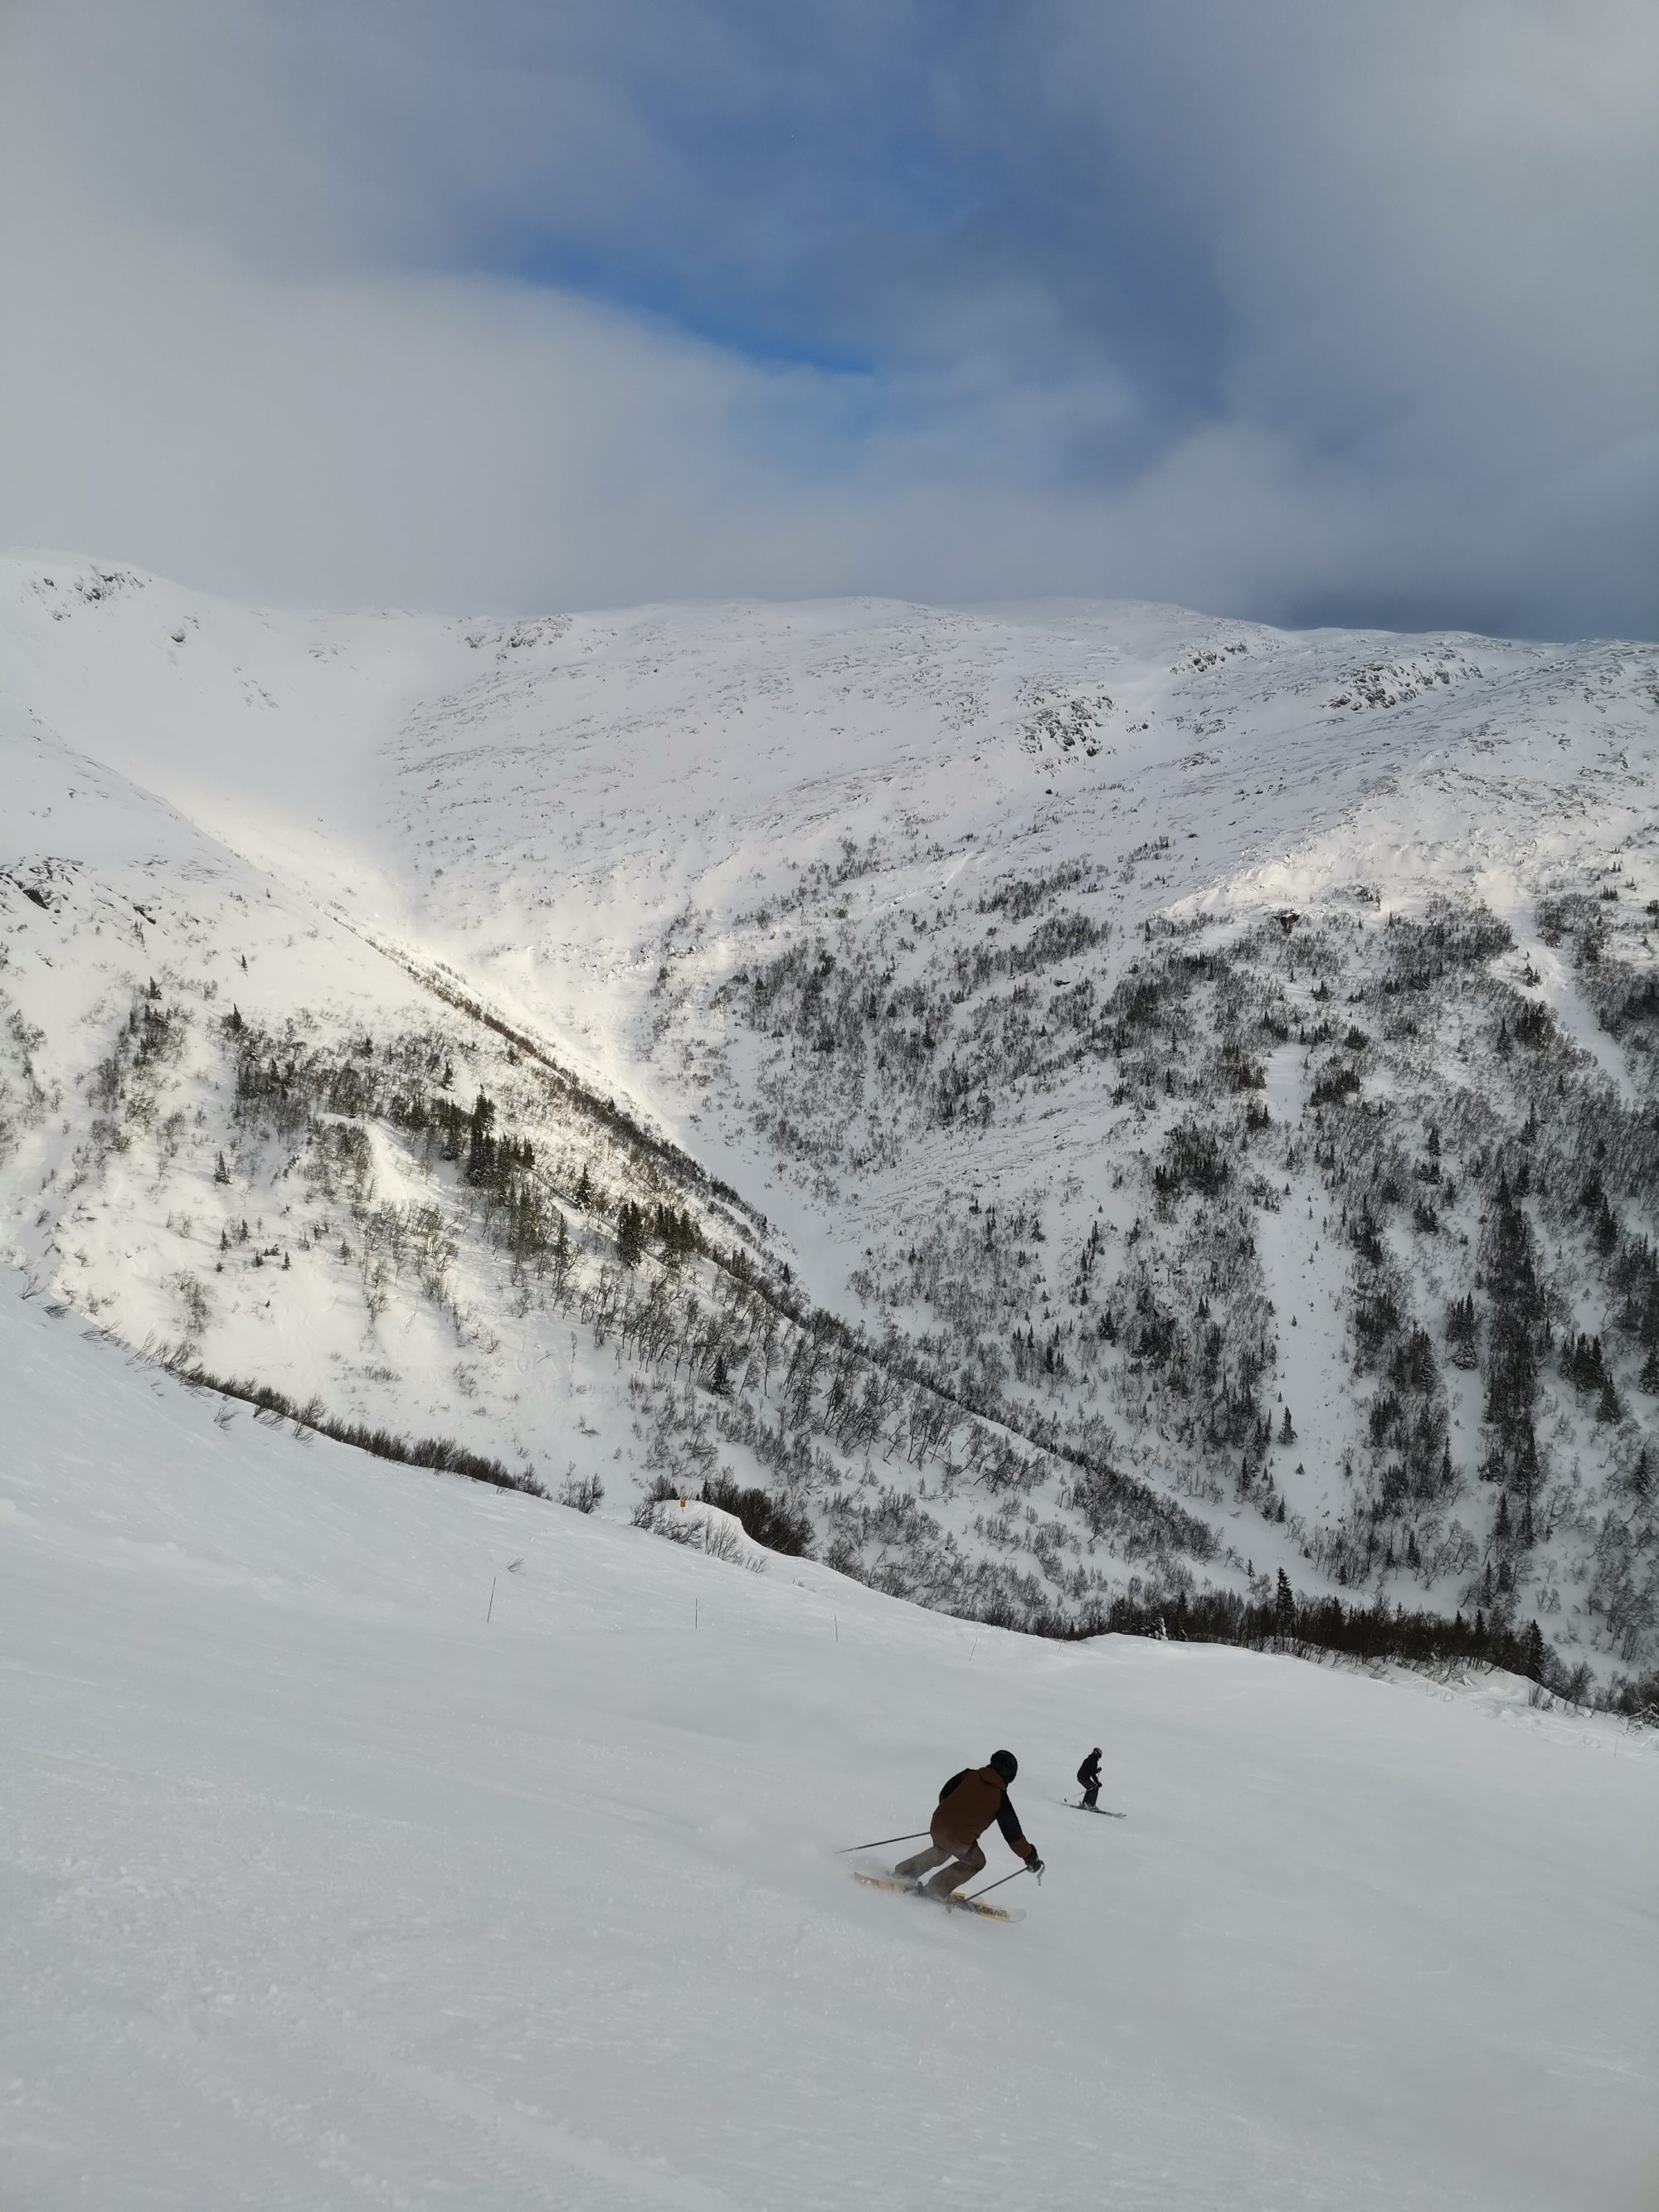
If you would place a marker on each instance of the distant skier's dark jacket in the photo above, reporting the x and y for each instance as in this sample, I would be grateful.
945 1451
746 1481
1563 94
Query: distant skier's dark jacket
1089 1773
968 1804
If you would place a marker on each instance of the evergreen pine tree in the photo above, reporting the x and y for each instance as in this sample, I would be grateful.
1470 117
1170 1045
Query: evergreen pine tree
630 1233
1284 1610
481 1142
1516 1307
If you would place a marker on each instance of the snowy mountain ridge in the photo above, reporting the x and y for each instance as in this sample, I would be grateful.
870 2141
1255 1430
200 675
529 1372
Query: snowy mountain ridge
1082 1103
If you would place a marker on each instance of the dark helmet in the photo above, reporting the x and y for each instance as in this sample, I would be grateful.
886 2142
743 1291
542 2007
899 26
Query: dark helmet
1006 1764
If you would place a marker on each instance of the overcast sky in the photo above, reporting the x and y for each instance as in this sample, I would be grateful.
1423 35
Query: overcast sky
1311 310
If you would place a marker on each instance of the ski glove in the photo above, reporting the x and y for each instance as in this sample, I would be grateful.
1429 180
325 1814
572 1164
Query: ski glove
1034 1865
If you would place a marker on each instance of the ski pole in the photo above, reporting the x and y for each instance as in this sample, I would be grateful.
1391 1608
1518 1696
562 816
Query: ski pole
914 1837
990 1886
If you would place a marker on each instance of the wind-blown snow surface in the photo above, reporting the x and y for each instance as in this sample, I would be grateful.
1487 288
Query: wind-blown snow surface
321 1892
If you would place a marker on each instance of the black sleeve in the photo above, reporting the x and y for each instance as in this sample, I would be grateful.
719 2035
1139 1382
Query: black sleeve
1008 1821
961 1776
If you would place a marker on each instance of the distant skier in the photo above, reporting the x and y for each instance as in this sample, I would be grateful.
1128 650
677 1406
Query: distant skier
1089 1775
968 1804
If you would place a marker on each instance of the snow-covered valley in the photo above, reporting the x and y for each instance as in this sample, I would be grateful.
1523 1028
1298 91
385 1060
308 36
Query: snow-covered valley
1083 1106
331 1880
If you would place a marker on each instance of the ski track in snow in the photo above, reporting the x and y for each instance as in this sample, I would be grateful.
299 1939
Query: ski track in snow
319 1892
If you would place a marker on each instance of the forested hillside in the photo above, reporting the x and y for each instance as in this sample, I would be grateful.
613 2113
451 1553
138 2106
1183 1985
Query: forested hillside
1084 1114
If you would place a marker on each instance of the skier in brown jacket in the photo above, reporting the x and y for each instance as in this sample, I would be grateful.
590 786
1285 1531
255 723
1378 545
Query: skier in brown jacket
968 1804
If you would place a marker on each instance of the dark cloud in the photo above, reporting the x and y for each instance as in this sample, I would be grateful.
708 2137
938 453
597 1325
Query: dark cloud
1304 312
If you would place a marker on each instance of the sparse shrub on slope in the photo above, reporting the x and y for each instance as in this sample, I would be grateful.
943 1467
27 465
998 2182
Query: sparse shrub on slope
439 1453
764 1518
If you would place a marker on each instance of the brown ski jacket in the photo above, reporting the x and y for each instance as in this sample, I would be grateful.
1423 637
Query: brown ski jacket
968 1804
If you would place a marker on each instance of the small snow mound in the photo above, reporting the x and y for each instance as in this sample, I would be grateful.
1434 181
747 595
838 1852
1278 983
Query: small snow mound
710 1529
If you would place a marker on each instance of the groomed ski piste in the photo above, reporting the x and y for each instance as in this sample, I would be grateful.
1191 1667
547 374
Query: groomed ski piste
323 1890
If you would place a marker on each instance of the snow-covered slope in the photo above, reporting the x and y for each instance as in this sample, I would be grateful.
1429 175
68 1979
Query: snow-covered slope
1076 1064
331 1880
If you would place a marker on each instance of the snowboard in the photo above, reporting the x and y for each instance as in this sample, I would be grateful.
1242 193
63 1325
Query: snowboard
1105 1811
954 1905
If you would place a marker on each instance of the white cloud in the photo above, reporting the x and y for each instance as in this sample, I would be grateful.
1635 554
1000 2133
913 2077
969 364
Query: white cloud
1399 259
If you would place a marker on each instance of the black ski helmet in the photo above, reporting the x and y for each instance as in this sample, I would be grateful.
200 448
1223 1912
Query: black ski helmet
1006 1764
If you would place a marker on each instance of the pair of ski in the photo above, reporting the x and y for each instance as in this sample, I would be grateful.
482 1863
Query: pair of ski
1105 1811
904 1888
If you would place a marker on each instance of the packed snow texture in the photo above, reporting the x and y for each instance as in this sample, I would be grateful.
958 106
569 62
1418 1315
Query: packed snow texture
330 1881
